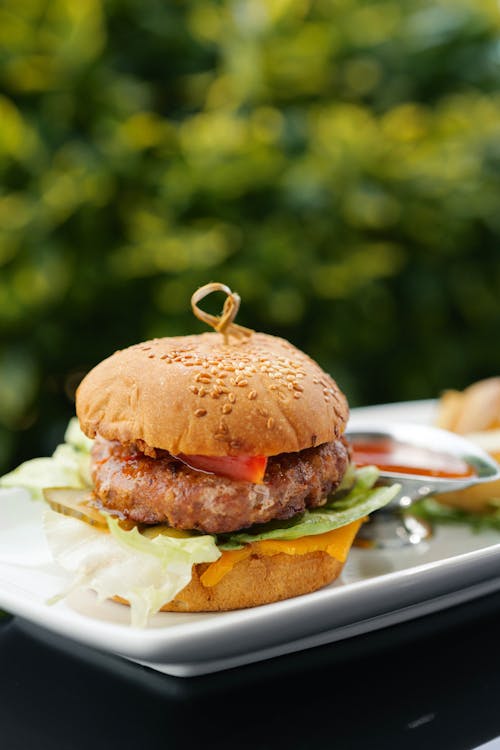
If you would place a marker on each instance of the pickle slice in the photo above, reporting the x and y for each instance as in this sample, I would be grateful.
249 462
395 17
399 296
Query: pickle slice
76 503
163 528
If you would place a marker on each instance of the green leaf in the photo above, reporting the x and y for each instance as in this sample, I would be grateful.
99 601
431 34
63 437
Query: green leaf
193 549
433 511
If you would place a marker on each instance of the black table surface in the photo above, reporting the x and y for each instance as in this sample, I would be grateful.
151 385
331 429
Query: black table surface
430 683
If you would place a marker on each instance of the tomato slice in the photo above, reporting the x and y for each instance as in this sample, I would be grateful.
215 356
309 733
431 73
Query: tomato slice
243 468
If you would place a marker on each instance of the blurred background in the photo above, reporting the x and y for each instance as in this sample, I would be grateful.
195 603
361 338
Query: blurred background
336 162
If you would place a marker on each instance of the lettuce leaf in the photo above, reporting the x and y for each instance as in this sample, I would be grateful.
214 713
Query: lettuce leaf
148 572
76 438
69 466
362 500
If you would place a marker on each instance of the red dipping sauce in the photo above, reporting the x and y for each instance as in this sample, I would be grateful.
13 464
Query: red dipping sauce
404 458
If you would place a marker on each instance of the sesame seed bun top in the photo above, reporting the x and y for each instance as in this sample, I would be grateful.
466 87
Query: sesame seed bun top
200 394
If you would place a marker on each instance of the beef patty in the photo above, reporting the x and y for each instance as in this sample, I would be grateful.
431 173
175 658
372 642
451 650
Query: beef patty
164 490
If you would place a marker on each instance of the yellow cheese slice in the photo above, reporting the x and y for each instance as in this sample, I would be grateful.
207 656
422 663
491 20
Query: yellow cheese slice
336 543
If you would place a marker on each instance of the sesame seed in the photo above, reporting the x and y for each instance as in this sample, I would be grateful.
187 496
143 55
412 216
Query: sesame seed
194 389
227 409
151 356
270 423
200 412
252 395
202 392
231 397
242 383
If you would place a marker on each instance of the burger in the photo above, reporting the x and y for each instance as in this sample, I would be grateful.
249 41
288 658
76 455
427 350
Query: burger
210 472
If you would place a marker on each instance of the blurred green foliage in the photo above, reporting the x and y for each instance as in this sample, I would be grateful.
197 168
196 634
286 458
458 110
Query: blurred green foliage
337 162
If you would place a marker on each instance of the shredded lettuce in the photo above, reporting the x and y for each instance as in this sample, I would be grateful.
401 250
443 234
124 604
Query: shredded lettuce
69 466
147 572
362 500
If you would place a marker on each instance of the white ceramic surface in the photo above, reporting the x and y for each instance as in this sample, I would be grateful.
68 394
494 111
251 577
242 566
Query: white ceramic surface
377 588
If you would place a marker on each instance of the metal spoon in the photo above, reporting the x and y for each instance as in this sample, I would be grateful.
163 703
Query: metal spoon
388 527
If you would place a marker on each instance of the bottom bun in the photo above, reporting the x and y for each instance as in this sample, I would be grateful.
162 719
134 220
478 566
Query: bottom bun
256 580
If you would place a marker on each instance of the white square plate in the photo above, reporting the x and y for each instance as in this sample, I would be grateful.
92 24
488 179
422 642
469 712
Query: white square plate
377 588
